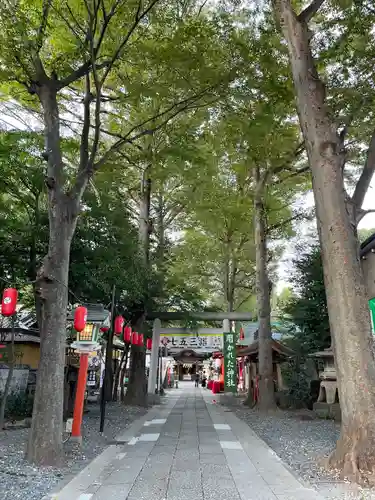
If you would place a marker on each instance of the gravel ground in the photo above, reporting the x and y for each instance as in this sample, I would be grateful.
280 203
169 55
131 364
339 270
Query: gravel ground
301 443
21 481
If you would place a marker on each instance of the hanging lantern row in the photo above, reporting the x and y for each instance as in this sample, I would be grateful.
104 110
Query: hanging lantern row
135 338
130 337
9 302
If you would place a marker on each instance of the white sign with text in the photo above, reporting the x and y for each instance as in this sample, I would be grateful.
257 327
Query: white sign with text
195 342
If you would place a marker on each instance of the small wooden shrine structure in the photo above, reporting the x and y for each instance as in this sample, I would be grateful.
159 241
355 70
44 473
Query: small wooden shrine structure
280 353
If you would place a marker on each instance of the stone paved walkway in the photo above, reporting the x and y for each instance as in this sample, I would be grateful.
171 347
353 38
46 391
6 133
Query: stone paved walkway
187 449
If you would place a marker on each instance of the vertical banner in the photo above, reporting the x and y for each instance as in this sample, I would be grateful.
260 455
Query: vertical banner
371 304
230 367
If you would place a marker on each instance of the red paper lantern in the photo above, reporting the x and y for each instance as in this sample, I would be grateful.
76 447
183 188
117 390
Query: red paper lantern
127 334
135 338
149 344
9 303
80 318
119 325
104 329
140 339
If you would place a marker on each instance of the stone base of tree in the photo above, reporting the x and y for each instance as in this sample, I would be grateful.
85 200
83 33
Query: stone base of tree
354 455
326 410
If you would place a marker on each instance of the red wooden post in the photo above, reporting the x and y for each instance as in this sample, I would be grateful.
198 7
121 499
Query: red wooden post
80 397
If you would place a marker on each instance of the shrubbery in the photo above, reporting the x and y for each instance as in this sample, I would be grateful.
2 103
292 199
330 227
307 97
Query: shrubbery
19 406
298 382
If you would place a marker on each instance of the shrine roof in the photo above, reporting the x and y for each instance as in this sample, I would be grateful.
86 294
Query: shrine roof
96 313
276 346
189 353
21 336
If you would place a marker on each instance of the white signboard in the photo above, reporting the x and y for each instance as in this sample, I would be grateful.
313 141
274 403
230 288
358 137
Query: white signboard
199 343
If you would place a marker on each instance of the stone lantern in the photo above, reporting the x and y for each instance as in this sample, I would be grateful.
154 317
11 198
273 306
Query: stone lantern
327 404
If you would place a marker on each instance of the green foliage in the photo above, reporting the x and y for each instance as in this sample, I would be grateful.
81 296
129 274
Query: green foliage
201 160
281 300
363 234
23 216
146 62
105 250
308 308
153 59
298 382
19 405
344 50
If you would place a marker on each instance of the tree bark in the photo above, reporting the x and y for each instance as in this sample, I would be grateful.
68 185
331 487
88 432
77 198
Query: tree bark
232 282
5 395
144 215
266 385
160 260
136 393
45 437
229 274
33 266
226 281
118 373
346 294
160 253
123 373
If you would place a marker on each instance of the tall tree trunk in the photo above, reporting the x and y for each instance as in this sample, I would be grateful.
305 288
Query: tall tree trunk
8 382
160 251
144 215
232 282
226 284
229 276
136 392
266 385
32 268
346 294
118 373
123 373
160 233
45 436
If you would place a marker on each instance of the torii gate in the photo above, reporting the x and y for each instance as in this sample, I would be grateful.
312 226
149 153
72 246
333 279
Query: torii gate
225 317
